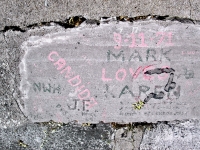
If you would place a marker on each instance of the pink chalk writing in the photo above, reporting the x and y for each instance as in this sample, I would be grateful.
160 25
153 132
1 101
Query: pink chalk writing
104 75
73 80
141 35
87 60
133 41
118 39
163 35
190 52
68 72
170 38
136 73
121 74
160 38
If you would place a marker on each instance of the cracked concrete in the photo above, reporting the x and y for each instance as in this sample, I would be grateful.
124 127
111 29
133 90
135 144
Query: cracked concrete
23 13
17 132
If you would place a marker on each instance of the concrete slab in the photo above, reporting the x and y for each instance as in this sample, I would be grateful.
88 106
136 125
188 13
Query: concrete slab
24 13
172 136
115 72
51 135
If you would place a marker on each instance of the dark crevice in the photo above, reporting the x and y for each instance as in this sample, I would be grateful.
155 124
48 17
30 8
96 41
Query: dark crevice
13 28
68 23
39 24
161 17
183 20
146 124
131 19
77 20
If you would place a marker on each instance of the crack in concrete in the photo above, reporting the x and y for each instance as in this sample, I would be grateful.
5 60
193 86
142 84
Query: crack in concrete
4 36
143 133
190 8
77 20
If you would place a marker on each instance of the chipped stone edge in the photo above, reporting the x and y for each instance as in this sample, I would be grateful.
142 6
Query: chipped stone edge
24 85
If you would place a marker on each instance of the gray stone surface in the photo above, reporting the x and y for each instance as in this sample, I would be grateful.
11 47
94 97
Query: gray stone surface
47 136
81 73
15 126
28 136
13 119
23 13
76 137
123 139
182 135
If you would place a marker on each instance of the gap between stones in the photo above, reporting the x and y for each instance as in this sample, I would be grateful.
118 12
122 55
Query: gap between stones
75 21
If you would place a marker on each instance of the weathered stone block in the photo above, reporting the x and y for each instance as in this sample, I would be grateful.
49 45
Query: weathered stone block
114 72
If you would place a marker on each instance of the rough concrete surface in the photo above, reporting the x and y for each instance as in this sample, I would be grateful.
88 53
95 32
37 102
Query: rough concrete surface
56 136
23 13
172 135
17 132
